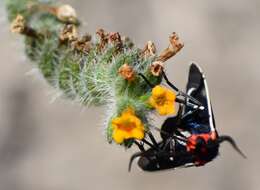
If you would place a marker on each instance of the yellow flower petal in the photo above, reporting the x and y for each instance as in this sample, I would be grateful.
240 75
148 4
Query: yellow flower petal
162 100
170 96
118 136
127 126
138 134
158 91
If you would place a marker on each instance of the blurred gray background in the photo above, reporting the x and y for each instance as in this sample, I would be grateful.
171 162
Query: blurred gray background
60 146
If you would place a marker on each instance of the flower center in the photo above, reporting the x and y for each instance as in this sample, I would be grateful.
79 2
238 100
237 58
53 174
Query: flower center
160 100
127 126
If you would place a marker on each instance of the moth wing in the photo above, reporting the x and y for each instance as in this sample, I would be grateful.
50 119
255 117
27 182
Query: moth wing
197 87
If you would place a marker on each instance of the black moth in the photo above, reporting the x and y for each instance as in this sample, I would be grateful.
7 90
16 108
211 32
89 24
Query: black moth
188 139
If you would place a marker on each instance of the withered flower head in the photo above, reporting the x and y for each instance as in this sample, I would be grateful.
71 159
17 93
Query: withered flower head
101 33
115 37
127 72
128 42
69 33
175 42
104 37
86 38
149 49
175 46
18 25
66 13
156 68
84 44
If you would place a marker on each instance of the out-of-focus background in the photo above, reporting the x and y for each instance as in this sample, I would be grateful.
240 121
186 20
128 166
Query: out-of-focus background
60 146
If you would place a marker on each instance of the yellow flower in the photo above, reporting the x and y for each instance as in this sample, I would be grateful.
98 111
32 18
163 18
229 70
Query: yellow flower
162 100
127 126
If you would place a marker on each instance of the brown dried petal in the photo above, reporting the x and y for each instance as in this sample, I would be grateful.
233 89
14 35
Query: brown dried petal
115 39
127 72
18 25
84 47
175 46
66 13
86 38
128 42
149 50
156 68
69 33
104 37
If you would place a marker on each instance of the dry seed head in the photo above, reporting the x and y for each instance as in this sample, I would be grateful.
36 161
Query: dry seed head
156 68
66 13
69 33
104 37
175 42
115 40
127 41
18 25
127 72
149 50
84 44
175 46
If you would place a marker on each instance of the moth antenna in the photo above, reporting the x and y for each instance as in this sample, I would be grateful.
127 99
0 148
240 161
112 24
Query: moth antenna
133 157
232 142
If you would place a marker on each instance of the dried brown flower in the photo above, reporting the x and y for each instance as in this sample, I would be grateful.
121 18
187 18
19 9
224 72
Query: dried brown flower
115 37
18 25
84 44
127 42
149 50
104 37
175 46
156 68
66 13
115 40
69 33
127 72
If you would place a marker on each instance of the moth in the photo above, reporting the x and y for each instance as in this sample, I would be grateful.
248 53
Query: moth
188 139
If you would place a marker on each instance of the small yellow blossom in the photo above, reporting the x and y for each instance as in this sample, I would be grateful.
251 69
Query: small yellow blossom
162 100
127 126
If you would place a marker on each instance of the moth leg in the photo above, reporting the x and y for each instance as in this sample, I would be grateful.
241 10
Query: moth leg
133 157
149 144
179 91
189 113
140 146
153 139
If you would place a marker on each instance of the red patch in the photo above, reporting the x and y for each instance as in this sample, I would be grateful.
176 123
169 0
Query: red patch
192 140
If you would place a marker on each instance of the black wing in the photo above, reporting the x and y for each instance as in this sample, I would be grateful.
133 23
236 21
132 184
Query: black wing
197 87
